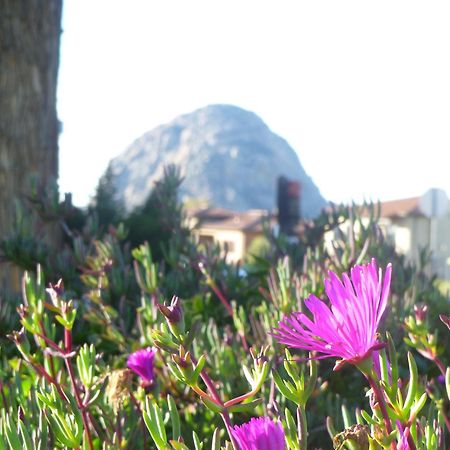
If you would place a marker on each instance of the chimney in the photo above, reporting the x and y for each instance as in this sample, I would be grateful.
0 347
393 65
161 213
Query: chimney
289 194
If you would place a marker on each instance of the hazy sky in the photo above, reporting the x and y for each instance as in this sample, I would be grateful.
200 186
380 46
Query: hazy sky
361 90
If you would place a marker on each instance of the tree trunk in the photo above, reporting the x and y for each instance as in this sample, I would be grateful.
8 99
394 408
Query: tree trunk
29 58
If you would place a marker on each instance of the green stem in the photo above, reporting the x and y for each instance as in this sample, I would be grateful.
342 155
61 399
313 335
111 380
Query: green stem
382 402
43 373
440 364
215 395
241 398
84 416
411 444
222 298
49 358
302 427
216 289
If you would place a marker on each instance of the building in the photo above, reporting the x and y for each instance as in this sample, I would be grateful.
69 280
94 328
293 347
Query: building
416 223
233 231
410 224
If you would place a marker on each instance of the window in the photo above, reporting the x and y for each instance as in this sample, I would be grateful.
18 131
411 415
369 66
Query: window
205 239
228 246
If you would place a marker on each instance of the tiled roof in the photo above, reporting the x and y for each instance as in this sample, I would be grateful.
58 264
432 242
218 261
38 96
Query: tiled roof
210 213
218 218
401 208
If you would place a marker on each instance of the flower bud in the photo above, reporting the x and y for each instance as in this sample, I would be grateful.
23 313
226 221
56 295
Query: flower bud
22 310
173 312
55 291
183 359
420 312
174 316
20 339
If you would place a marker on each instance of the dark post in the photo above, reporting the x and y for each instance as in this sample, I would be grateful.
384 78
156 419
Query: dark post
289 193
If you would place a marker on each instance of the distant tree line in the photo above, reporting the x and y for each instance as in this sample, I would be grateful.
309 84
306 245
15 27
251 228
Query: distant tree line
154 222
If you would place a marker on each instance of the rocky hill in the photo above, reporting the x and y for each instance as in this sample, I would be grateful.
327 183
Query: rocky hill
228 157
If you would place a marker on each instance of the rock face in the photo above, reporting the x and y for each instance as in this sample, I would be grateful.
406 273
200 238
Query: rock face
228 157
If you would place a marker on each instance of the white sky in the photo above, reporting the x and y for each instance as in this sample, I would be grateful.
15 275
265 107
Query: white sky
361 90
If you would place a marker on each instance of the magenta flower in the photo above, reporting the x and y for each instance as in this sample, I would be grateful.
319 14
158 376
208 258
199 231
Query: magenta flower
141 362
260 434
347 329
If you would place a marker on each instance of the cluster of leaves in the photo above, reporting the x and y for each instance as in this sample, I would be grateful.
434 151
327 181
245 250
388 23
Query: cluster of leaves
68 384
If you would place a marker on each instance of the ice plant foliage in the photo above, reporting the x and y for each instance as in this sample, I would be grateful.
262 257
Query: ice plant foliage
195 371
260 434
141 362
348 328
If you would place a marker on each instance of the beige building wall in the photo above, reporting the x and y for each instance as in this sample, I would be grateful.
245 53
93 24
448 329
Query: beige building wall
408 234
440 233
233 240
413 233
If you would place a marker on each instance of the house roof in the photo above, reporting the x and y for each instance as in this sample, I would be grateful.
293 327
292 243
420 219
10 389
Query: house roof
210 213
219 218
401 208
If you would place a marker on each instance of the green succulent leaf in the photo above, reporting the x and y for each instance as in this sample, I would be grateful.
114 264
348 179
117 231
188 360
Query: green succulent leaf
197 443
10 430
155 423
412 386
174 417
245 407
215 444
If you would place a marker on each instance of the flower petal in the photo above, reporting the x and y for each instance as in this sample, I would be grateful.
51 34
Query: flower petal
348 328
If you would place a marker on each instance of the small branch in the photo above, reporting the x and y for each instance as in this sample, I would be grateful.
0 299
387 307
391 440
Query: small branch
84 416
215 395
222 298
48 357
241 398
215 288
411 444
441 365
302 425
382 402
96 426
244 341
43 373
203 394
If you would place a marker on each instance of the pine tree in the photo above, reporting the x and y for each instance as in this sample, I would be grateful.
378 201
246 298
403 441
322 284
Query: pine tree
106 203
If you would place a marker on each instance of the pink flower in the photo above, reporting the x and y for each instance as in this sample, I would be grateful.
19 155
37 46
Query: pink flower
141 362
260 434
347 329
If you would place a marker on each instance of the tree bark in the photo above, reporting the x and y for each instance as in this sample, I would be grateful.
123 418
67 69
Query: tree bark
29 58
